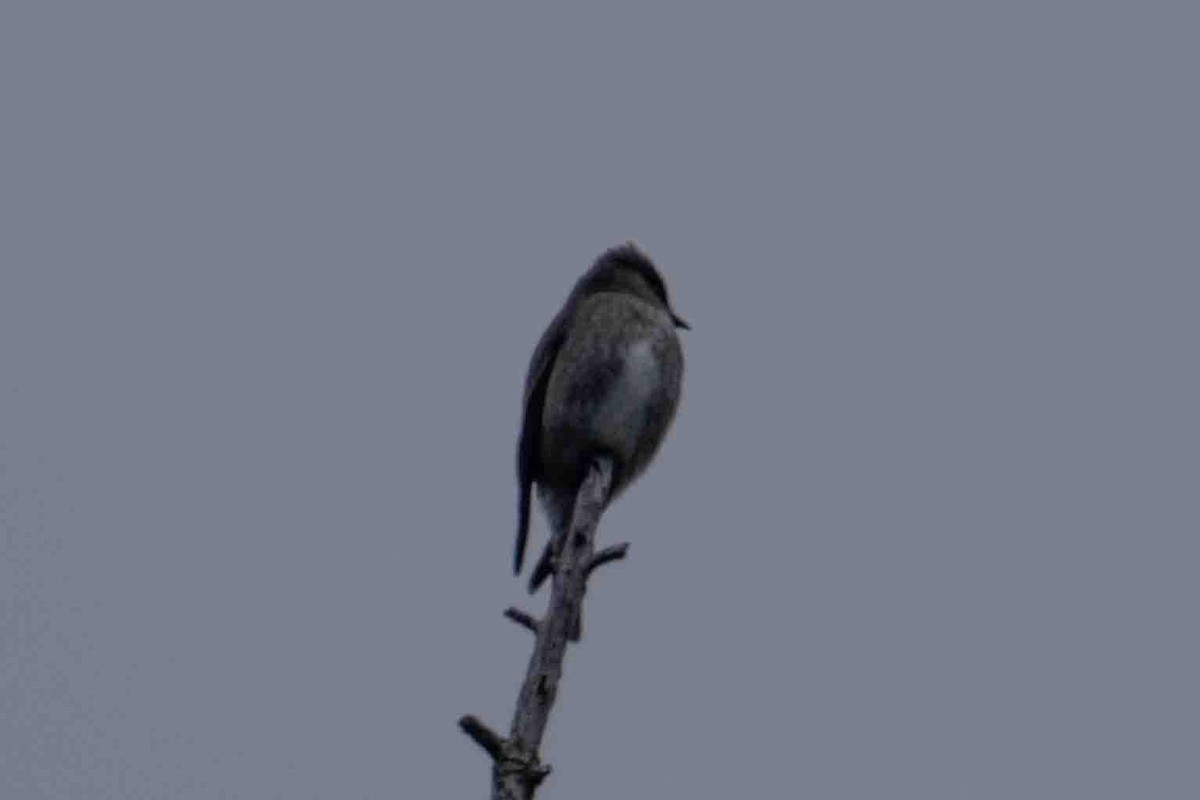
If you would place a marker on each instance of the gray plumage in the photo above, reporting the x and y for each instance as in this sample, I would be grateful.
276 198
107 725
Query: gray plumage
604 380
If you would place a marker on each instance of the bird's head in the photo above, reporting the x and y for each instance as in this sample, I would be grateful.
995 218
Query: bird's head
627 269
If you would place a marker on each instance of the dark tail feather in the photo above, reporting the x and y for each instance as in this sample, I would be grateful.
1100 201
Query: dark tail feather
522 529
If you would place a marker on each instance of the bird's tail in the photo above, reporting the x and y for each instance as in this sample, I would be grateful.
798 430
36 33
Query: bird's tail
522 527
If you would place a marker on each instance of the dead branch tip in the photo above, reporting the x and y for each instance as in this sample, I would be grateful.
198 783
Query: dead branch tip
523 619
615 553
492 742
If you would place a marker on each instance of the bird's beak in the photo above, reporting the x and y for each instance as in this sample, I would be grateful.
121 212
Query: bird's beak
680 322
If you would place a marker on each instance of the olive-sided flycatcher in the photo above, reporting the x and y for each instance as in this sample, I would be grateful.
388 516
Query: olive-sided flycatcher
604 381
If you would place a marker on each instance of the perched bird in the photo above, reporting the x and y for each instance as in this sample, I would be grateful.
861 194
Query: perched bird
604 380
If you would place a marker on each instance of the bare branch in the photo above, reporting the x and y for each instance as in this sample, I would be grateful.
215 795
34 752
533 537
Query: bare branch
615 553
512 769
517 769
566 599
492 742
521 618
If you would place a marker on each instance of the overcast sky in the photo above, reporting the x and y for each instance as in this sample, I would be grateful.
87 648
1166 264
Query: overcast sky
926 525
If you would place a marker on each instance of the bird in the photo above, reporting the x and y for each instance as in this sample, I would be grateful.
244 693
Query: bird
604 381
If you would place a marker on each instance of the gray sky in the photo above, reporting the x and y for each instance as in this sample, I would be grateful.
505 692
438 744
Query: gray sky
270 274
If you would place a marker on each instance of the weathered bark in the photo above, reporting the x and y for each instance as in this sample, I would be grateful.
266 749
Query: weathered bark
516 767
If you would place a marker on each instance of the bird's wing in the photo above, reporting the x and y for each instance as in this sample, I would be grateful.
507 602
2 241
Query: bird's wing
540 368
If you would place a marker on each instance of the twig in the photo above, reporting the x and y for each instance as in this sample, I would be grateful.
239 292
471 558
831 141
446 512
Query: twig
609 554
523 619
485 737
